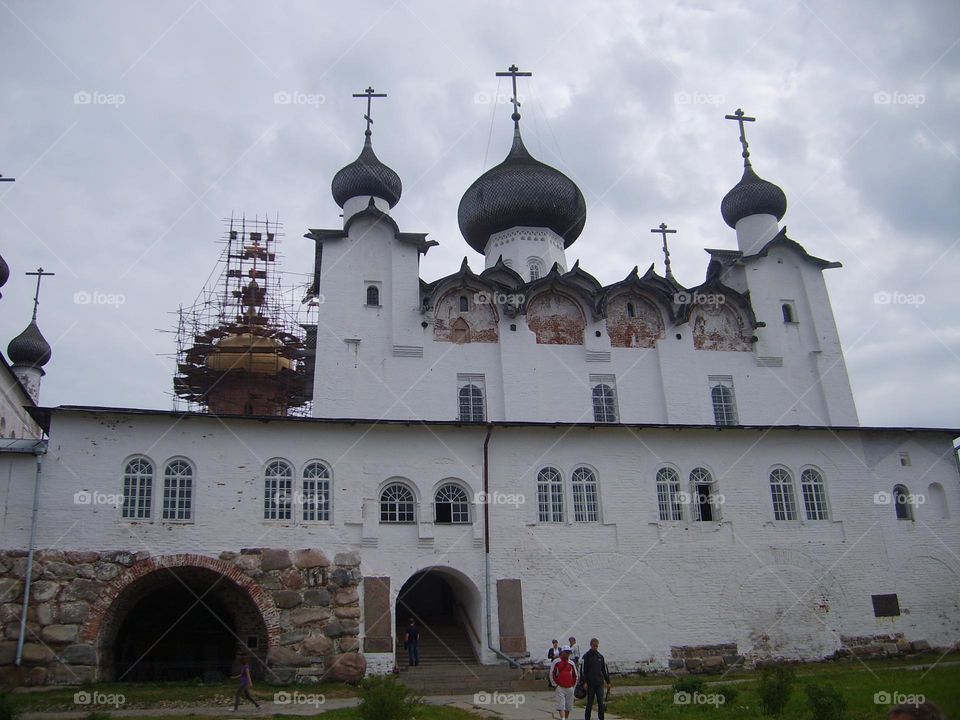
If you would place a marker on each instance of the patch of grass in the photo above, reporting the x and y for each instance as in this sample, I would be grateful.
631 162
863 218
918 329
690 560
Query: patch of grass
425 712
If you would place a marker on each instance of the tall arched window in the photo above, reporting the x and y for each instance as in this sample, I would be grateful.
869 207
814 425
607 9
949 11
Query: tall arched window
631 310
316 492
781 493
397 504
178 491
586 500
464 303
703 493
550 495
536 269
814 494
668 494
451 505
604 403
137 489
902 502
373 295
724 405
471 403
937 508
278 491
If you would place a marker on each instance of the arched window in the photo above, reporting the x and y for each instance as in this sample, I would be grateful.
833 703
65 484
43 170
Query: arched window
937 502
464 303
373 295
451 505
550 495
471 403
902 502
814 495
781 493
586 501
137 489
178 491
604 403
397 504
316 492
668 494
787 310
278 491
724 405
703 493
631 310
536 269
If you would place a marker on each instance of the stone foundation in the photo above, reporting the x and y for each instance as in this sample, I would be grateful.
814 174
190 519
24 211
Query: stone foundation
705 658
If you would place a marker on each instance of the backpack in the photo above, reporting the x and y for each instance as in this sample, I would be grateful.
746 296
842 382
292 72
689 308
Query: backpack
565 674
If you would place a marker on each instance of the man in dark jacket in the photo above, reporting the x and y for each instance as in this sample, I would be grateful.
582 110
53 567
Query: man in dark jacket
593 674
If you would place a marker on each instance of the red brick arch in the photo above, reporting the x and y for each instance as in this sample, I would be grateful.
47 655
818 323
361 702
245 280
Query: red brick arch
101 608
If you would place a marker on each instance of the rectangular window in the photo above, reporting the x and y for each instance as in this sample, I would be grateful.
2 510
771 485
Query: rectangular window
471 398
886 605
550 495
278 496
316 499
723 399
137 496
604 391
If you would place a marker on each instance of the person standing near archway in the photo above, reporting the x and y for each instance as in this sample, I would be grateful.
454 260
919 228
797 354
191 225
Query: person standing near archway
411 641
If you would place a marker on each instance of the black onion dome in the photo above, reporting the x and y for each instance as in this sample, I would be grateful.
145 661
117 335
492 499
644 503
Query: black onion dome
521 191
752 196
366 176
4 272
29 347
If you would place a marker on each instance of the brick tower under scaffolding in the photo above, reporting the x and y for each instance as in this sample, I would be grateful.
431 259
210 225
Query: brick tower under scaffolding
240 351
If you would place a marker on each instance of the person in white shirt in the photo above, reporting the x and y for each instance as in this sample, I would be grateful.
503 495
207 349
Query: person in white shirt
574 652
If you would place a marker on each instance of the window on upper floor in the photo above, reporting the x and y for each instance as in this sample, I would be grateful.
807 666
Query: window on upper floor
178 491
451 506
316 492
789 311
586 499
814 493
536 268
781 494
604 392
137 489
278 491
397 504
464 303
723 400
668 494
373 296
470 398
902 502
550 495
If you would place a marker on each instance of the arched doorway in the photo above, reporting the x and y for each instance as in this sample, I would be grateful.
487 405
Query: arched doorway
446 606
181 623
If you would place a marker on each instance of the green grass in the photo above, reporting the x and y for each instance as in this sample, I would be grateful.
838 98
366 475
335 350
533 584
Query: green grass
427 712
940 685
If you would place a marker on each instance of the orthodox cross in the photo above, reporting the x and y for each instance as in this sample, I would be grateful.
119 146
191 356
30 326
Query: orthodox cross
513 72
369 94
666 253
36 295
741 119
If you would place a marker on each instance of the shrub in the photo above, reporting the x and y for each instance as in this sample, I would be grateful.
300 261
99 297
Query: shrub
774 688
97 715
826 702
728 692
384 698
688 684
8 711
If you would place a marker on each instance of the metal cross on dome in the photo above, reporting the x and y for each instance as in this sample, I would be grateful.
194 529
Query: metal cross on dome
36 295
741 119
666 253
369 94
513 72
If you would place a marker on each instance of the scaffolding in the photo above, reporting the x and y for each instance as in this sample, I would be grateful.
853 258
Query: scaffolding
245 344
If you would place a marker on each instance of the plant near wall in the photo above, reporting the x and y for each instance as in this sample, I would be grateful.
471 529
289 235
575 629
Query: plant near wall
8 711
826 702
384 698
774 688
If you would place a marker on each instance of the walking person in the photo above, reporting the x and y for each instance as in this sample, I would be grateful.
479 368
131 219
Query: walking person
574 652
596 678
246 682
411 641
563 677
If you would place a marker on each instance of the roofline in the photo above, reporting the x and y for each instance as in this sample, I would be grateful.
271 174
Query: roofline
16 379
47 412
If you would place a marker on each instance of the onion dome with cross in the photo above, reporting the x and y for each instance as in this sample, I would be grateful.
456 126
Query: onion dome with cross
752 195
30 349
367 177
520 192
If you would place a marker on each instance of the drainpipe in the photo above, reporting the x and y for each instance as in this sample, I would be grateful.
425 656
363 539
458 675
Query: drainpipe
39 451
486 546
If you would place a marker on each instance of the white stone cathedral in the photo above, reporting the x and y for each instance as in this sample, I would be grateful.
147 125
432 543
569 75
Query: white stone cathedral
508 456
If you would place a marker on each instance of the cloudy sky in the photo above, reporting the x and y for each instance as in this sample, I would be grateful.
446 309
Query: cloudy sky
133 128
